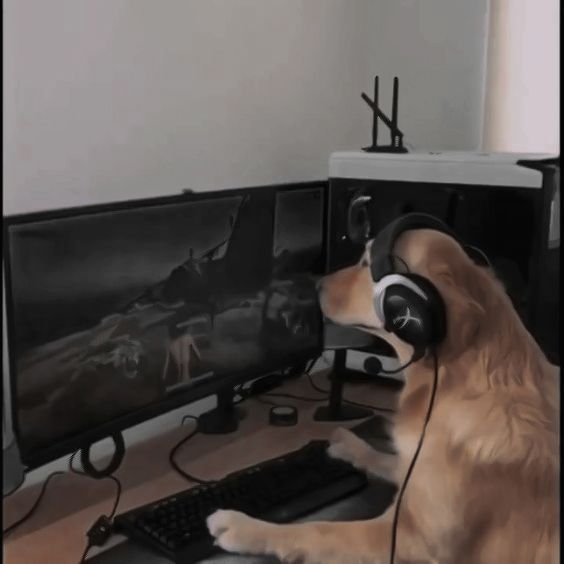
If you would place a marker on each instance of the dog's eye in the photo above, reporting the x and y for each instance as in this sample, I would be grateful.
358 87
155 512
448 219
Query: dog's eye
364 263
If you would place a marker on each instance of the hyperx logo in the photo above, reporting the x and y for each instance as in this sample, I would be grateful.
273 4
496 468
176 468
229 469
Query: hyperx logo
401 321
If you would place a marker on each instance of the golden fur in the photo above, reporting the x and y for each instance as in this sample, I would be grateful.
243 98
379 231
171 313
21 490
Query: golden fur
485 486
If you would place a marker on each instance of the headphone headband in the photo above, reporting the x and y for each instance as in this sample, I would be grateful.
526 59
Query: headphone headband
410 305
382 262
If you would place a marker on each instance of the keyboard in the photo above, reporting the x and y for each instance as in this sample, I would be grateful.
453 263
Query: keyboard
278 490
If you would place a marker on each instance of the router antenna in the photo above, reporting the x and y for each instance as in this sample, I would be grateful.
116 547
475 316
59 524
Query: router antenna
396 145
375 115
394 135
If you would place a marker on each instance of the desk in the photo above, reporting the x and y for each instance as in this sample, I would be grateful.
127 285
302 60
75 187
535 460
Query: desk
55 534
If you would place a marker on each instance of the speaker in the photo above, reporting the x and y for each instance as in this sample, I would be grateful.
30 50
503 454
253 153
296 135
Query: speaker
359 227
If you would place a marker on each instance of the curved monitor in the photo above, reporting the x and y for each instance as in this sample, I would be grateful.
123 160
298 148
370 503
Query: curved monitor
118 313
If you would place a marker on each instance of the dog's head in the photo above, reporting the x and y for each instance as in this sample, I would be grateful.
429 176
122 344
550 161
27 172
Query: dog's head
346 296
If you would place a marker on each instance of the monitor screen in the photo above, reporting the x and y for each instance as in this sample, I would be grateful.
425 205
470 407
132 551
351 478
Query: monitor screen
121 312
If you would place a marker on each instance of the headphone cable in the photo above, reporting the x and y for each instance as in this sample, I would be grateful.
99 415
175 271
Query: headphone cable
414 459
418 354
399 369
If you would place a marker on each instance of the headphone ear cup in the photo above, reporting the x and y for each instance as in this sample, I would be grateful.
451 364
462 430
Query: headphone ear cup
381 290
406 315
411 307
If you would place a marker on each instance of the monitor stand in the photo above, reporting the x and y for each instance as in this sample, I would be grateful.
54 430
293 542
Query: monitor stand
335 410
222 419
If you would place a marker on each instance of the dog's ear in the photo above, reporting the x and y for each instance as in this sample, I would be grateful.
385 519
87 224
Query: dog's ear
465 288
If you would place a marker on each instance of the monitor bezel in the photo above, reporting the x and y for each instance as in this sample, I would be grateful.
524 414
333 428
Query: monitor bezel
38 457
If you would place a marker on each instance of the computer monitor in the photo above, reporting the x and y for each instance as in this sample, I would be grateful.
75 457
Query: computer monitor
118 313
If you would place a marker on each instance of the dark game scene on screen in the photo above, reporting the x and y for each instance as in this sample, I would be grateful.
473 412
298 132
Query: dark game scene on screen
116 310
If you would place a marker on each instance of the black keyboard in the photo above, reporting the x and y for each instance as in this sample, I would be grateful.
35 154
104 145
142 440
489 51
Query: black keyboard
278 490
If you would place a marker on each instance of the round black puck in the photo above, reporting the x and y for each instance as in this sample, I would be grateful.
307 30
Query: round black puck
283 415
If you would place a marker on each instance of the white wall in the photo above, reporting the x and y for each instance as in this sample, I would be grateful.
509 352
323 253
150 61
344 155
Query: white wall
136 98
133 98
523 77
130 98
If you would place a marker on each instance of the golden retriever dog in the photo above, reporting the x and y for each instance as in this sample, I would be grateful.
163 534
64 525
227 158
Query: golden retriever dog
485 486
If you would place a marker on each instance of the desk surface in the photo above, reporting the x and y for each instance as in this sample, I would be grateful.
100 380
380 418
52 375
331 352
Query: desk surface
56 533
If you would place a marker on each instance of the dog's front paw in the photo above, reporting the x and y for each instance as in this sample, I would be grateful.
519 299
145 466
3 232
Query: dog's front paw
346 446
236 532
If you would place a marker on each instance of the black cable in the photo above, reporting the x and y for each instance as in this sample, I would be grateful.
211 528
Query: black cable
400 368
315 386
193 417
85 553
414 459
71 468
350 402
71 461
312 363
177 468
238 391
368 406
115 480
33 508
266 401
101 530
244 395
292 396
114 463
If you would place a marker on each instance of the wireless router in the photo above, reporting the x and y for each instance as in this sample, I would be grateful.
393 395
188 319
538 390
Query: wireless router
396 141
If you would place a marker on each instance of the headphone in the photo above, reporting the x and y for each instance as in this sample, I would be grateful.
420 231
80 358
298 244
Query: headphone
409 304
